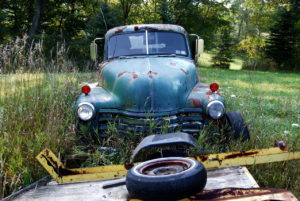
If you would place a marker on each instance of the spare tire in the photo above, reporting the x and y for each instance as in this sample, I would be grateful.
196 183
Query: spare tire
166 178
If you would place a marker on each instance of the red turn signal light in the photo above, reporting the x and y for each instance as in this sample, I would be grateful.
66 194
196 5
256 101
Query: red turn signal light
86 89
214 87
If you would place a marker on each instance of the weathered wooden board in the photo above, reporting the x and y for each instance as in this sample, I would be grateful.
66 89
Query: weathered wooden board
236 177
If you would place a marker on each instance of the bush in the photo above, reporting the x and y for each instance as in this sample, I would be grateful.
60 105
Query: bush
223 55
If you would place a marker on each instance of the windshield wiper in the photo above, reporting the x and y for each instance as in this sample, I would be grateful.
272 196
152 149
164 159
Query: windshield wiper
143 55
124 57
165 55
129 56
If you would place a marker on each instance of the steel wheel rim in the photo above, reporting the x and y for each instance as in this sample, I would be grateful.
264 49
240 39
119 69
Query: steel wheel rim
164 168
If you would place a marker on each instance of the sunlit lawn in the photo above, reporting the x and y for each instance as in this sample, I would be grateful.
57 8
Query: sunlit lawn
206 60
270 104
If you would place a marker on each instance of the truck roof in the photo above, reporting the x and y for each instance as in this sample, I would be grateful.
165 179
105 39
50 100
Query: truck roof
135 27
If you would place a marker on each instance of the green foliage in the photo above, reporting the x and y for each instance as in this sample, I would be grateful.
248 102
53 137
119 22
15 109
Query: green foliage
223 55
284 41
254 49
202 17
101 22
253 46
75 23
252 17
104 19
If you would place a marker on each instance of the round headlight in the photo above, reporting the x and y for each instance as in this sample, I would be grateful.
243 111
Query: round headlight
85 111
215 109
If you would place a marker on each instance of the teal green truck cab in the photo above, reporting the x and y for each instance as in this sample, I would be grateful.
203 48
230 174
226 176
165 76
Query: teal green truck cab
149 84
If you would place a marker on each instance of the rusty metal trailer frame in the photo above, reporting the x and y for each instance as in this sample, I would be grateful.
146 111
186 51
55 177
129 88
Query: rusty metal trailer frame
242 194
62 174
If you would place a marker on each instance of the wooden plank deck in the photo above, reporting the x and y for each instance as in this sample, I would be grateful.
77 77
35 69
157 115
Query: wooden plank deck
235 177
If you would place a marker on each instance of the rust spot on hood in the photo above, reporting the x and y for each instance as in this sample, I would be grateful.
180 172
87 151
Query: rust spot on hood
195 102
209 93
198 88
134 75
151 73
121 74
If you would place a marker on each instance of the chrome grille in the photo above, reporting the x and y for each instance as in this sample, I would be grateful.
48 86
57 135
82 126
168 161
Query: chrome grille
190 122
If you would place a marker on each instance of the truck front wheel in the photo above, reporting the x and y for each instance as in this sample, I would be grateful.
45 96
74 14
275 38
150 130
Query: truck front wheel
234 127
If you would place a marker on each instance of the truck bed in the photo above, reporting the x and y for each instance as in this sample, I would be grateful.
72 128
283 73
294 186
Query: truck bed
231 177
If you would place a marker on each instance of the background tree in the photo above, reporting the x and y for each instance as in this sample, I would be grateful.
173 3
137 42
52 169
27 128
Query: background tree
283 43
98 25
223 55
126 8
38 13
76 22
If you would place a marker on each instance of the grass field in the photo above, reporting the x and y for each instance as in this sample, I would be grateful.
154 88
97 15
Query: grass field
206 60
36 112
270 104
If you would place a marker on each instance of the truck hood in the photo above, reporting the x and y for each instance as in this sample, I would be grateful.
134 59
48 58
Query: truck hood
149 84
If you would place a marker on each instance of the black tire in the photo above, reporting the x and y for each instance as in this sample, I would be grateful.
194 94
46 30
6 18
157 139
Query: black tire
237 129
166 179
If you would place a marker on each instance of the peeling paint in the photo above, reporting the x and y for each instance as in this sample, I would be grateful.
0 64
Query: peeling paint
209 93
134 75
241 154
102 66
121 74
244 194
159 27
151 74
195 102
120 29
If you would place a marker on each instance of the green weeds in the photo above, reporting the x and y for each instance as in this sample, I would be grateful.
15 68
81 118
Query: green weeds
36 112
270 105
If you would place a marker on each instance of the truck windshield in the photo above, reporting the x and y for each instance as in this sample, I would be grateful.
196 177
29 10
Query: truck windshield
147 43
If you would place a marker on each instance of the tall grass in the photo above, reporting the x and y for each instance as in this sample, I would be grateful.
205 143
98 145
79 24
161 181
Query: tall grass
26 55
270 104
35 109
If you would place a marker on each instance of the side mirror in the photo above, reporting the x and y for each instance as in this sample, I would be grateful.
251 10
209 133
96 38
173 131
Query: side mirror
197 47
94 49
